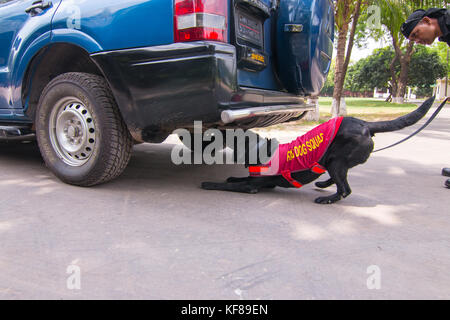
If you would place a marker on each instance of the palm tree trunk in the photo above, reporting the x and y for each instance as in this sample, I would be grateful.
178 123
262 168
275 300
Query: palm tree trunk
351 39
343 58
339 73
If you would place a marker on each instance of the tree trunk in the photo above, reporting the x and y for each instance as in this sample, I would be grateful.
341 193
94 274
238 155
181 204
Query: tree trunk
315 114
403 79
338 109
394 80
400 83
343 57
338 75
351 38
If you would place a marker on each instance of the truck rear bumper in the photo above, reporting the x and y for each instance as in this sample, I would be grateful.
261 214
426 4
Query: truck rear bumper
159 89
241 115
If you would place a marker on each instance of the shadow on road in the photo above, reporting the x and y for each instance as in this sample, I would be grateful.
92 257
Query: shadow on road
19 151
151 168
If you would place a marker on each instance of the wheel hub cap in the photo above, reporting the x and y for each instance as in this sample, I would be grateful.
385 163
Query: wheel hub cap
72 132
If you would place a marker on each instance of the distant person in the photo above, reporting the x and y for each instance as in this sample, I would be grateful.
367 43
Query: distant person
423 27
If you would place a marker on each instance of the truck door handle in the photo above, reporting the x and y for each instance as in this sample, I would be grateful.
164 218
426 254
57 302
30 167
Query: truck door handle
40 4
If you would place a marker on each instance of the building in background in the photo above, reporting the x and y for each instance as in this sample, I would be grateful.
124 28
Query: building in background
383 94
439 89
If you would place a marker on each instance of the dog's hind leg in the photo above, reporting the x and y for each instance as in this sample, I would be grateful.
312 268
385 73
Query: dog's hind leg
243 187
325 184
338 172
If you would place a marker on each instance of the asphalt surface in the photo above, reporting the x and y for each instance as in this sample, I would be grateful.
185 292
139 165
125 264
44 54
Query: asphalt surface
154 234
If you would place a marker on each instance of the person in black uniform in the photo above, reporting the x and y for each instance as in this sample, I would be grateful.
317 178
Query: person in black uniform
423 27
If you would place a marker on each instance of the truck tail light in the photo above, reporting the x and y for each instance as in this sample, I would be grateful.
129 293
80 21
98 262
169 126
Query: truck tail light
201 20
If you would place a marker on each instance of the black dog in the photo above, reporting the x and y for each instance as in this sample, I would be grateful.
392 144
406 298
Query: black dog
352 146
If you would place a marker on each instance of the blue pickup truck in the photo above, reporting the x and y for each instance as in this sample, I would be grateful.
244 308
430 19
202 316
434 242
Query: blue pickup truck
88 79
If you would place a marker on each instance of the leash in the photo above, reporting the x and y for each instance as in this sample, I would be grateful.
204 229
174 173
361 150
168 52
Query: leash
420 129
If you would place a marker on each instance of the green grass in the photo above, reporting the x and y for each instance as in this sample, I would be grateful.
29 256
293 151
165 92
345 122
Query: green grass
367 109
365 103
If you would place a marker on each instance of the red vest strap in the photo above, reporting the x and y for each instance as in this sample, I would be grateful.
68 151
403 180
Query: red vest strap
257 170
287 175
318 169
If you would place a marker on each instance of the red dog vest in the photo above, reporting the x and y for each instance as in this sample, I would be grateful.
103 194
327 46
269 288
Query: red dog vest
302 154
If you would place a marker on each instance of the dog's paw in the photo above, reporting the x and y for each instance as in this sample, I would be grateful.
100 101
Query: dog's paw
322 200
249 189
327 200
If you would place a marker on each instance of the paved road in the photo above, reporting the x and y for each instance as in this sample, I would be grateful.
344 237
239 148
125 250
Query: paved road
154 234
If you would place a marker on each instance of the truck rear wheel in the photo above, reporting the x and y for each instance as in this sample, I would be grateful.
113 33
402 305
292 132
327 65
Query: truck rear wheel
81 134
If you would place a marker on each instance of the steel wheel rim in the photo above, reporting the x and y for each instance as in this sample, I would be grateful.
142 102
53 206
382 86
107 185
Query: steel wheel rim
72 132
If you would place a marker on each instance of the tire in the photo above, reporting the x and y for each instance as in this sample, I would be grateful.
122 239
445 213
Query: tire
81 134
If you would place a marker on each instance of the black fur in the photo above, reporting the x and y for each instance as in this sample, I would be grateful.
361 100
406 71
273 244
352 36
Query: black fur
352 146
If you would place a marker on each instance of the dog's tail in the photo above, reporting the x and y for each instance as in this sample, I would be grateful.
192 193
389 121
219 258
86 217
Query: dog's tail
402 122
